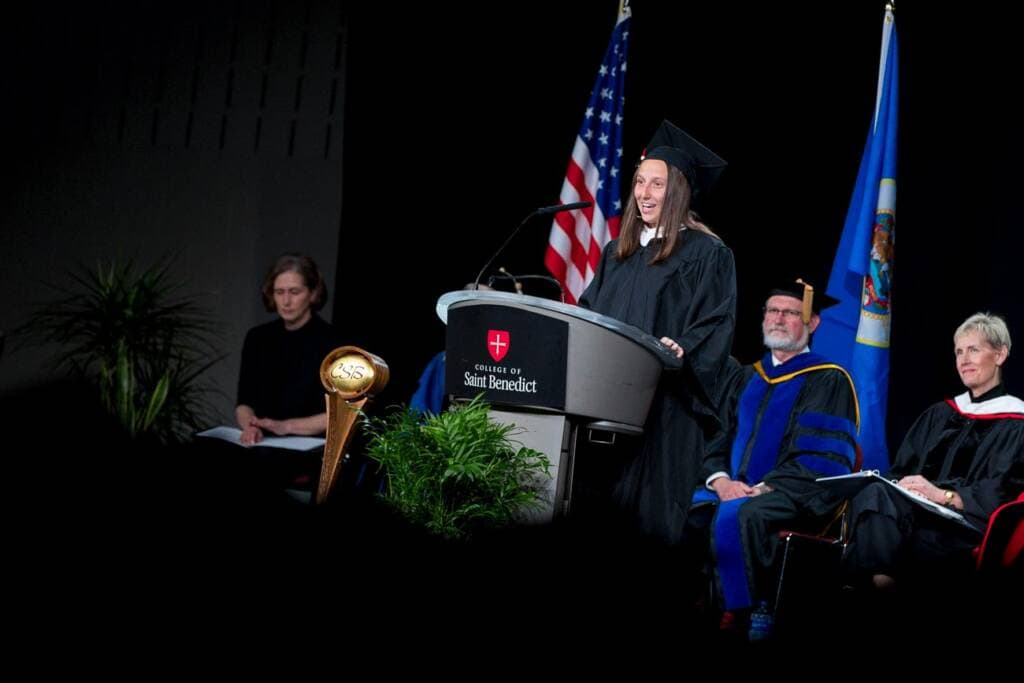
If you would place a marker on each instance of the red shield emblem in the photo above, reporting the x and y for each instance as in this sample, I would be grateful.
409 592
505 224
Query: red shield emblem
497 344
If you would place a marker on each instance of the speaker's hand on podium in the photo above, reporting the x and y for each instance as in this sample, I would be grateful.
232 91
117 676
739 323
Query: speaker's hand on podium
673 346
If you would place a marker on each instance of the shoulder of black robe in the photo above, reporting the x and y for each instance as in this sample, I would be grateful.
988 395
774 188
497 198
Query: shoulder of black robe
996 474
706 331
921 438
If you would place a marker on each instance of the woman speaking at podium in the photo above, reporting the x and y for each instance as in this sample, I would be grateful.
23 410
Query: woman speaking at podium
671 276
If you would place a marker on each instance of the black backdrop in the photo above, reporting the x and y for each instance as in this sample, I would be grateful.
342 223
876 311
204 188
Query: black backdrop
457 127
459 120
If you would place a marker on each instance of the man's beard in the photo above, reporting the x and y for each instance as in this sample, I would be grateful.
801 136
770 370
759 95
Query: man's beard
779 343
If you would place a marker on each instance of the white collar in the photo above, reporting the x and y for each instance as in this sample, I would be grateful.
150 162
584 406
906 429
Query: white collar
776 362
648 234
1001 404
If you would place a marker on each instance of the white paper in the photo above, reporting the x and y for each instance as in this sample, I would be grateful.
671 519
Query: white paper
849 484
294 443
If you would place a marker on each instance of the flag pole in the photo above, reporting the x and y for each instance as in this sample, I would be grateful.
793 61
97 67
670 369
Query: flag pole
855 332
576 240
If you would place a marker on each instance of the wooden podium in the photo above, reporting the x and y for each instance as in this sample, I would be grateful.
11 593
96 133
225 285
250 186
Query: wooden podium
553 370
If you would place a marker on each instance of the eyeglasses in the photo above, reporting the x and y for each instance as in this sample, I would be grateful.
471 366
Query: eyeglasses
790 313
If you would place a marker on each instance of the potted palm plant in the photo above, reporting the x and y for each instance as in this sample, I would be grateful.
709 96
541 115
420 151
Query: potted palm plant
457 472
143 345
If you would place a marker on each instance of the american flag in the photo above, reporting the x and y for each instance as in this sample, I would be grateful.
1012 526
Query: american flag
577 237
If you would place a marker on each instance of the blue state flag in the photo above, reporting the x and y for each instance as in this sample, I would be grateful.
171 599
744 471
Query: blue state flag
855 332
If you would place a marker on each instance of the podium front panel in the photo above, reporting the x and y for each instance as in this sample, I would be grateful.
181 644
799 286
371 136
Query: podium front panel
608 371
512 356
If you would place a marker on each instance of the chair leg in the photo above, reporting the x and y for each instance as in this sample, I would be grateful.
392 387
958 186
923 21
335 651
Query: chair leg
786 548
808 578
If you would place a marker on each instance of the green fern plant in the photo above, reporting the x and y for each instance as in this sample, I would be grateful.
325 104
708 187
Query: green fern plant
144 345
457 472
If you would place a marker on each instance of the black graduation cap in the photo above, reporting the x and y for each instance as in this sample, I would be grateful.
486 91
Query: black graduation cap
815 300
699 164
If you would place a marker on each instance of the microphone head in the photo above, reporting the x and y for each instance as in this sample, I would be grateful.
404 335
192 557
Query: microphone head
516 283
558 208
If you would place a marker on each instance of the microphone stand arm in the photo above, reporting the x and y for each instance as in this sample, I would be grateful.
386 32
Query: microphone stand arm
490 261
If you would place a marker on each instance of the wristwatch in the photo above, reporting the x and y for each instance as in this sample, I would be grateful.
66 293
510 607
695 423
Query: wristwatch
948 501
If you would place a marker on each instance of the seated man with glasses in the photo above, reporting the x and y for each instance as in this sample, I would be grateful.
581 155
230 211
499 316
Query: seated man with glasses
789 419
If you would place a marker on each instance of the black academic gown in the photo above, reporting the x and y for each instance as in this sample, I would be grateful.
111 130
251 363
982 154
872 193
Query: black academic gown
690 297
979 456
786 426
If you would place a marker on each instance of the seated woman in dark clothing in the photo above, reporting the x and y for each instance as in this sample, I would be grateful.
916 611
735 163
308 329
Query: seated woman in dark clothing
279 390
965 453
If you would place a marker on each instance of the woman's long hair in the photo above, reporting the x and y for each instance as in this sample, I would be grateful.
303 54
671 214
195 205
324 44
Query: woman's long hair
675 211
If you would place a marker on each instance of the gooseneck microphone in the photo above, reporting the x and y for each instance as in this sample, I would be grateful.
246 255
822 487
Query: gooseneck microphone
518 281
544 210
518 285
559 208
